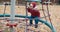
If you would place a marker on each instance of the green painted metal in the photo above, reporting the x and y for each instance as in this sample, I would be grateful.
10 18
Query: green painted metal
49 25
22 16
42 21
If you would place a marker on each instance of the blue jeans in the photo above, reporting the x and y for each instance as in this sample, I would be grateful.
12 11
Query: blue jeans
36 20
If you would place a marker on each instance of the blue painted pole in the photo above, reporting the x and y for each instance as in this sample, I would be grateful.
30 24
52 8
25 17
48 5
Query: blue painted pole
12 16
12 9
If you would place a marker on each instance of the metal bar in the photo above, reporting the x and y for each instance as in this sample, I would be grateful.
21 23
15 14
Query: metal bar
26 17
21 16
4 9
43 11
49 14
33 0
12 14
12 9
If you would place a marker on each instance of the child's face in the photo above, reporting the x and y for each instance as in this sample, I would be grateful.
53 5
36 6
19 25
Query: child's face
31 6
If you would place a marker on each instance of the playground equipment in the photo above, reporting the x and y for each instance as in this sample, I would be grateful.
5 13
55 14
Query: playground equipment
12 16
47 23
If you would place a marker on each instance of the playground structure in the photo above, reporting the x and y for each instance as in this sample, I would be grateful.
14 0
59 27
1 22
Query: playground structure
12 19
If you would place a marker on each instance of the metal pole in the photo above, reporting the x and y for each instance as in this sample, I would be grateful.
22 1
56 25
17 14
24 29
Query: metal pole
43 10
49 15
26 17
12 17
4 10
13 9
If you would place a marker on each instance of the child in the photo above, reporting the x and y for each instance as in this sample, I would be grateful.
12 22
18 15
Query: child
32 9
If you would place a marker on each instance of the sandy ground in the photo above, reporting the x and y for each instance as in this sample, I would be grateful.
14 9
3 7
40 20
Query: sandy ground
54 12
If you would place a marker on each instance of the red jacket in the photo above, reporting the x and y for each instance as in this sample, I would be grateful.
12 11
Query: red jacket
33 12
